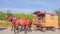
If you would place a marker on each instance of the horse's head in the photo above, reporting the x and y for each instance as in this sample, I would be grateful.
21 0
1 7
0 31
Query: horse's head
8 16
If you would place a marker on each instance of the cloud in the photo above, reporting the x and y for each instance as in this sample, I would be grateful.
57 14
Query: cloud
18 10
17 6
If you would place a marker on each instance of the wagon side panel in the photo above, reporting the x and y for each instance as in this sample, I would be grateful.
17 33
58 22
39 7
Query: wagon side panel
51 22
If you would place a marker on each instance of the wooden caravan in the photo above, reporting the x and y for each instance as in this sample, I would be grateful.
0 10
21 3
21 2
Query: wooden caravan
47 19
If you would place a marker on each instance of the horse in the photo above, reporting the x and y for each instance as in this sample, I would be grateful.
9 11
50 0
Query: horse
16 22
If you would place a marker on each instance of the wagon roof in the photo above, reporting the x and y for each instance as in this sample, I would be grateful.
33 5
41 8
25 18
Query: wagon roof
39 12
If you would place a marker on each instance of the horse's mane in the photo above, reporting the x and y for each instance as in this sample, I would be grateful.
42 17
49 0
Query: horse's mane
10 14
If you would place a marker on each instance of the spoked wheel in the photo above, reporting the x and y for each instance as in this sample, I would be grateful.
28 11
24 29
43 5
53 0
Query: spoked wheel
54 29
44 29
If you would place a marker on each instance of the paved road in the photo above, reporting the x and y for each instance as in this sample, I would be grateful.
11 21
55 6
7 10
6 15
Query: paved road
7 31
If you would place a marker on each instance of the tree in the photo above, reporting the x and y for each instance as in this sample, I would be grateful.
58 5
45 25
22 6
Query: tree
9 12
2 16
58 13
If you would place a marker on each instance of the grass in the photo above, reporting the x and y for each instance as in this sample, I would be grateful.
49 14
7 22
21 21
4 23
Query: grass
5 24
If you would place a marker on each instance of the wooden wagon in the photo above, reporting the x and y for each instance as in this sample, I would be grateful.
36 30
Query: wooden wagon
46 20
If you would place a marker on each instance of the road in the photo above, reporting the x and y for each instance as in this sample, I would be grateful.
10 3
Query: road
8 31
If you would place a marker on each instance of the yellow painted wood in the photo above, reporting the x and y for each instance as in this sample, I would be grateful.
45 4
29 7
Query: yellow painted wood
51 22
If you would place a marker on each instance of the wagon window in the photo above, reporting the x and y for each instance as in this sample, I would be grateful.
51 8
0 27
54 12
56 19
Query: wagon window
52 16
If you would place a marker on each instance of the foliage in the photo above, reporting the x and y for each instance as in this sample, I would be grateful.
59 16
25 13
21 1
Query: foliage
2 16
28 16
58 13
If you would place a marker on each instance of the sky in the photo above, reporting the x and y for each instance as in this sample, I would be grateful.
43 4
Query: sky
29 6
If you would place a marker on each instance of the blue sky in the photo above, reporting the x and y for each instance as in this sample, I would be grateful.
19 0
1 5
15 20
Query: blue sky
29 6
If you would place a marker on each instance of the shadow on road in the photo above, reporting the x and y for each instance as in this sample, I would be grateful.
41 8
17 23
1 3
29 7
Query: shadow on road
21 30
1 29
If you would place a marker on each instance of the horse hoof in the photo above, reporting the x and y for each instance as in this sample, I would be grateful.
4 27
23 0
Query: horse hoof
30 31
25 32
11 30
17 32
20 30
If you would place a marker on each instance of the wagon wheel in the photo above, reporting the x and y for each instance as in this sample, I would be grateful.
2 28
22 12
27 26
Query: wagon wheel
54 29
44 29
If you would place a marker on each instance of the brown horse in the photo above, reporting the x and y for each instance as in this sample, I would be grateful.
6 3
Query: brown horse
16 22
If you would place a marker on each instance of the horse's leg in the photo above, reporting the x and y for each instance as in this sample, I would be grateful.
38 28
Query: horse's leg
14 29
17 28
25 29
21 28
30 28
